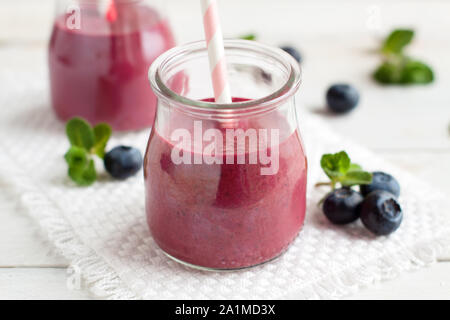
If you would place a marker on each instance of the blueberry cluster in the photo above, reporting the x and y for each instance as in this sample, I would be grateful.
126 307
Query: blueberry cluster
376 205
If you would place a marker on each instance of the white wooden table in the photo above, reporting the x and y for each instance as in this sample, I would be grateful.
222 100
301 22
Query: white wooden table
409 126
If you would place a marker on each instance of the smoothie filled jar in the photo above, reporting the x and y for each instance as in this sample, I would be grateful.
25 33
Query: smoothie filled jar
225 183
99 55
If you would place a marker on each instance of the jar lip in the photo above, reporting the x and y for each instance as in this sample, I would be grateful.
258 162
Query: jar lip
96 1
288 89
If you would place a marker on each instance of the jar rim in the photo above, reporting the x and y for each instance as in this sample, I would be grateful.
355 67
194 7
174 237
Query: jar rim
96 1
288 89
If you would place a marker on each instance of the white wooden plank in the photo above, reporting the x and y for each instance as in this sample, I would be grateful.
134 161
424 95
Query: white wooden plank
25 20
293 20
21 244
429 283
431 167
37 283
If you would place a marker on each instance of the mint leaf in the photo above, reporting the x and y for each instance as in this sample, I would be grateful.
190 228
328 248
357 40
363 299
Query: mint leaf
81 168
80 133
355 167
335 165
397 40
416 72
404 71
353 178
84 176
388 73
76 157
102 133
341 170
250 36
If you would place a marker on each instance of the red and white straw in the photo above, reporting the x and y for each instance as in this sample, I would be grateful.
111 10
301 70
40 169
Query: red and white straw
108 9
216 51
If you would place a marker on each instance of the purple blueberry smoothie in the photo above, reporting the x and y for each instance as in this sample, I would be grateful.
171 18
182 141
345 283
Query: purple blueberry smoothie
100 71
224 216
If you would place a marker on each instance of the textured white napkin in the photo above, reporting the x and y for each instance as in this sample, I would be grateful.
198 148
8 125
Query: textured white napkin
103 232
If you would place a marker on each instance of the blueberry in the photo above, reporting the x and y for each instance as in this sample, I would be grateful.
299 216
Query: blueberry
123 162
381 213
382 181
342 98
342 206
293 52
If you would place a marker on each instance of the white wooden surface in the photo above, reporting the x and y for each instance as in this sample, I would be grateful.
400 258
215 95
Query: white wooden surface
408 126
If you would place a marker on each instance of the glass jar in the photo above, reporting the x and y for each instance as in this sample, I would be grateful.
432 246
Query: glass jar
99 55
225 183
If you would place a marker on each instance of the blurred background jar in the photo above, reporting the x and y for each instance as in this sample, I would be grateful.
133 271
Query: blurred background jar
99 55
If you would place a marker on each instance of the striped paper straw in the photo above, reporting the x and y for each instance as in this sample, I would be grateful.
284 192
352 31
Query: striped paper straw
216 51
108 9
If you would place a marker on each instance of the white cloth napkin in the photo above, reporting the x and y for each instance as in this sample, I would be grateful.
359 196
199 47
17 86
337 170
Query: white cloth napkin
103 232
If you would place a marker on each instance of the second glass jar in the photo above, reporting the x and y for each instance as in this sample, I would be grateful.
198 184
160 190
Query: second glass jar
99 58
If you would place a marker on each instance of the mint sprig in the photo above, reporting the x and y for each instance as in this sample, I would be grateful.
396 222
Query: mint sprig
85 142
339 168
397 67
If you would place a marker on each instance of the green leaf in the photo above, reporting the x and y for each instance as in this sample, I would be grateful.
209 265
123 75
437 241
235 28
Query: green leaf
353 178
355 167
84 176
335 165
397 40
329 166
80 133
404 71
76 157
102 133
81 169
249 36
416 72
388 73
343 161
